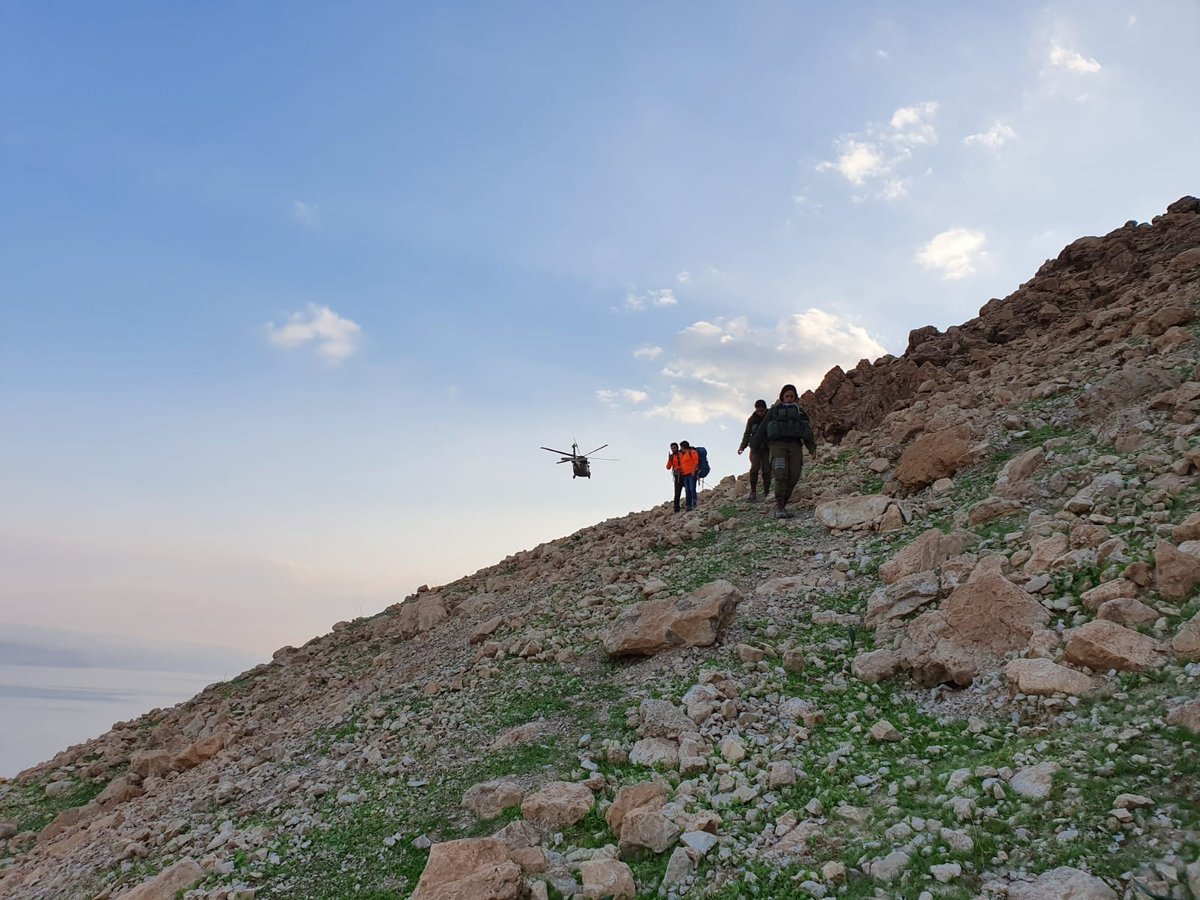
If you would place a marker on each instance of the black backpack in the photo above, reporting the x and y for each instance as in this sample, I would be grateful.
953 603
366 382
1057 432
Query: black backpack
702 470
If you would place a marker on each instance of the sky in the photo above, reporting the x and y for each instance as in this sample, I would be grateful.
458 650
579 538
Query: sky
292 293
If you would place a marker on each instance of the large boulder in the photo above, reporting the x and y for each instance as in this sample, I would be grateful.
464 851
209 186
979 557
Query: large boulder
1104 645
470 869
975 628
928 551
852 512
902 598
1044 677
1063 883
490 798
607 878
1186 643
168 883
933 456
1176 573
645 795
693 620
558 805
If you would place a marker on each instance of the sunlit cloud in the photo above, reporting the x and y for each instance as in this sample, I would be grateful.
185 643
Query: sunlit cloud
996 136
717 369
336 338
1063 58
683 277
873 157
639 302
648 351
305 214
955 253
628 395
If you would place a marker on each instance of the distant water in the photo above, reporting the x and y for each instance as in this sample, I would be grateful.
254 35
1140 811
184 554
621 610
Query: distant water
44 709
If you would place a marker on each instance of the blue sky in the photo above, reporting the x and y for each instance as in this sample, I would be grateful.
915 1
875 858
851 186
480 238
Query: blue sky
293 293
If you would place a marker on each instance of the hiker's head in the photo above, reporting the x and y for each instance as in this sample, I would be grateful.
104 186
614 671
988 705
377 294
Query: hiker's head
685 445
760 406
674 447
787 394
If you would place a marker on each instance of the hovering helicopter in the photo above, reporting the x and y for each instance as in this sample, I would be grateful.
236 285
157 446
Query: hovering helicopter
580 467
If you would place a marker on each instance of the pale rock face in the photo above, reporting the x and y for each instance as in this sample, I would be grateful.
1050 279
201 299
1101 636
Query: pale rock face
1110 590
971 633
1035 782
662 719
608 878
651 752
645 795
928 551
1063 883
875 665
647 829
902 598
558 805
470 869
1127 611
1186 642
1104 645
1176 574
1043 677
851 512
166 884
1185 715
933 456
490 798
693 620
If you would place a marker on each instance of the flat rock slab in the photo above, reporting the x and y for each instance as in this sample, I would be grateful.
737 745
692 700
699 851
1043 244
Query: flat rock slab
1103 645
470 869
1063 883
693 620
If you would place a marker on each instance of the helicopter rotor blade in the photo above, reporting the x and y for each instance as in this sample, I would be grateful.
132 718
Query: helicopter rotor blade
590 452
604 458
559 452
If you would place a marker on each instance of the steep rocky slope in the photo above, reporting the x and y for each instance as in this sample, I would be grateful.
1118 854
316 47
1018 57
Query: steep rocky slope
968 667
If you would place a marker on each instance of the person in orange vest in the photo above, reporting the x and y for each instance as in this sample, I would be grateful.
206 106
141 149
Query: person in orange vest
689 462
675 468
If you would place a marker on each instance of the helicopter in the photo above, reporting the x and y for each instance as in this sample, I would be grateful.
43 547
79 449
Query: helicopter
580 466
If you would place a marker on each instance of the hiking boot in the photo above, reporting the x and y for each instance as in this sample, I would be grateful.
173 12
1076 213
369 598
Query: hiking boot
751 497
784 514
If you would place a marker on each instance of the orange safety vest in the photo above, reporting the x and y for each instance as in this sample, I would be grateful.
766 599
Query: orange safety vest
689 461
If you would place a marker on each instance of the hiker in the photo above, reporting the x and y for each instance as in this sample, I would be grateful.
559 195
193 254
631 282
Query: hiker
785 432
758 459
676 469
689 462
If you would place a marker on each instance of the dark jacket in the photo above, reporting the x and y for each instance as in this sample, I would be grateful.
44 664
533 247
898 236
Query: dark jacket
786 423
752 425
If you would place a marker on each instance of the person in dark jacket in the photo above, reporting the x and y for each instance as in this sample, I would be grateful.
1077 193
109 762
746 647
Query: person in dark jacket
758 459
785 432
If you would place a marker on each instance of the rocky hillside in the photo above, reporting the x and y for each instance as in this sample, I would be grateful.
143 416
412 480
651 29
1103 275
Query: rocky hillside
968 667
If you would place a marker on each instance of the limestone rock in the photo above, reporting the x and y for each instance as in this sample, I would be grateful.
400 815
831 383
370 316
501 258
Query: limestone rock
971 633
558 805
876 665
933 456
1186 643
167 883
1104 645
850 512
607 878
1176 574
928 551
1127 611
1063 883
662 719
490 798
1185 715
646 795
1043 677
469 869
693 620
647 829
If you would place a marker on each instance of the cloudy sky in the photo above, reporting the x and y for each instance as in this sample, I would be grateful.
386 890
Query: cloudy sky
293 293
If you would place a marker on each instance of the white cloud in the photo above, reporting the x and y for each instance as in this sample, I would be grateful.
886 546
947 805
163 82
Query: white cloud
1073 61
996 136
683 277
857 161
719 368
336 338
955 252
648 351
305 214
629 395
638 302
874 156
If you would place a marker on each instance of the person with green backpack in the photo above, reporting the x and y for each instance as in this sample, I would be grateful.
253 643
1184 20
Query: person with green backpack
785 432
759 461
